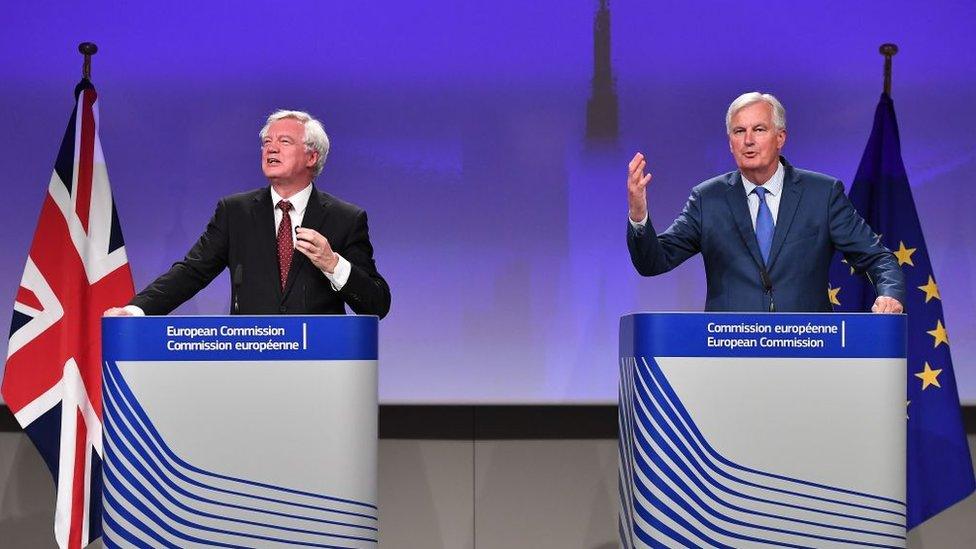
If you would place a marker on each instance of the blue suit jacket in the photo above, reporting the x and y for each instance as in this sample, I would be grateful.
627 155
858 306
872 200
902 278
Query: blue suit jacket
815 218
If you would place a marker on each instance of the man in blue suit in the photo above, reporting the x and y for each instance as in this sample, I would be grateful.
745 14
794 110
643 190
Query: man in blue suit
768 231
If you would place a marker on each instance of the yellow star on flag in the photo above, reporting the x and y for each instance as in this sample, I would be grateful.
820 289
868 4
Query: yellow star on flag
939 333
931 290
904 254
844 261
929 376
832 294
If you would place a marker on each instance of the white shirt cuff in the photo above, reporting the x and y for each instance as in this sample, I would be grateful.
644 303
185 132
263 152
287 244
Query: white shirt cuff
340 275
134 310
638 225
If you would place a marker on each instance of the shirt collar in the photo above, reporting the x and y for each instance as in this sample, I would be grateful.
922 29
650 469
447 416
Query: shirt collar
298 200
775 184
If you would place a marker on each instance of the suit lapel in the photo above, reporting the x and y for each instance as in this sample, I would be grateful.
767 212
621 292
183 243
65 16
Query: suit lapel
262 213
788 203
739 205
313 219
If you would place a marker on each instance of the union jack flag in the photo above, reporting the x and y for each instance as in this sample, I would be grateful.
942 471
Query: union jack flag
76 269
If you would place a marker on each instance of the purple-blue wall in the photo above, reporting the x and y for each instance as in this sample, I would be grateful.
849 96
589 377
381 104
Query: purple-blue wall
462 131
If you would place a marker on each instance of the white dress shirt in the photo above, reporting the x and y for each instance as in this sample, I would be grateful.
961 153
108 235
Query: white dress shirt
299 201
774 191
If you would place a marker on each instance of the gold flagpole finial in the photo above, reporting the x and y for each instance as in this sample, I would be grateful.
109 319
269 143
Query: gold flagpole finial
888 51
88 49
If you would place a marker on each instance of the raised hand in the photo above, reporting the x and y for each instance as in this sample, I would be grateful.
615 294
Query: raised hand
637 182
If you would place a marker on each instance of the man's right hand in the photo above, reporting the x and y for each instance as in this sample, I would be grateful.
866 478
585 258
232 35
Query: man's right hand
117 311
637 182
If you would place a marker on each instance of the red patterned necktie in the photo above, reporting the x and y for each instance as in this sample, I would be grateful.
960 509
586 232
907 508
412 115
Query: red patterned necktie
285 246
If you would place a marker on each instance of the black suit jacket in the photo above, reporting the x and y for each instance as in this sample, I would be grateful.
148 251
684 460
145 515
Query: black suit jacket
815 219
241 237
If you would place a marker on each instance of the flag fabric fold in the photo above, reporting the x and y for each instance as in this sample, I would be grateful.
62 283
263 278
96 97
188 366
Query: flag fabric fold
76 268
940 471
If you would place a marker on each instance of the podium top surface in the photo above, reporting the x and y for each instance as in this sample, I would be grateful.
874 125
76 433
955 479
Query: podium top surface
815 335
237 337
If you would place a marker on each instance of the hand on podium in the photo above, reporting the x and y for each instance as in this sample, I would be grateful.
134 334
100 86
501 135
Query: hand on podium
885 304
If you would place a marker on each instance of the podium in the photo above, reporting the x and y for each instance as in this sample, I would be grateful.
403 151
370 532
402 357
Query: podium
242 431
753 430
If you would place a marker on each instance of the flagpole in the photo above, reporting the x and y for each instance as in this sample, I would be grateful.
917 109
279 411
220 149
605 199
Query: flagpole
88 49
888 51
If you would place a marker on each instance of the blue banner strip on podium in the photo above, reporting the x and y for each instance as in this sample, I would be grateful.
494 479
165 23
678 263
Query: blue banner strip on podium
240 338
790 335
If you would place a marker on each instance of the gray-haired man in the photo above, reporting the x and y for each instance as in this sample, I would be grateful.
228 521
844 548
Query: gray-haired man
290 248
767 231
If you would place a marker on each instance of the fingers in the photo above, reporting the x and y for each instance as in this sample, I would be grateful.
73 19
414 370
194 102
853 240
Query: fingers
893 306
304 234
636 165
885 304
637 169
315 247
637 180
311 239
635 161
116 311
314 253
306 250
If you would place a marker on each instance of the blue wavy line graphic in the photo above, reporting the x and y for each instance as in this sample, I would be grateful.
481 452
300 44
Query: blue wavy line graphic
139 444
129 497
688 494
679 441
671 398
631 407
126 457
130 398
115 391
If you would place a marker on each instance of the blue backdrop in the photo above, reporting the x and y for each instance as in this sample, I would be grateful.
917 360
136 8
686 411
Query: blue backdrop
498 215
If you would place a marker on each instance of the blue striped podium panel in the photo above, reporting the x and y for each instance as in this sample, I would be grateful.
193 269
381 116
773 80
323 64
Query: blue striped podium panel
762 430
242 431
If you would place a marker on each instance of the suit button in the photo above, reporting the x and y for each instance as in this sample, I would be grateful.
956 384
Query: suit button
282 309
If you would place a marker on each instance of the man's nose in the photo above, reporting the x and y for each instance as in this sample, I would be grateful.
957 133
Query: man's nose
750 137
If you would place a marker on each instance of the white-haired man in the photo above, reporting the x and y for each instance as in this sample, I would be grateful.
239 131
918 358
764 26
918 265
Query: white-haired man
290 248
768 231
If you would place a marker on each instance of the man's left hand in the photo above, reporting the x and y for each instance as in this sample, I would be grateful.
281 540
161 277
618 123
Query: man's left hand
885 304
316 248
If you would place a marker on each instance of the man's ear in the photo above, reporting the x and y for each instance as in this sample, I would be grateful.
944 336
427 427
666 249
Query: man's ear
313 157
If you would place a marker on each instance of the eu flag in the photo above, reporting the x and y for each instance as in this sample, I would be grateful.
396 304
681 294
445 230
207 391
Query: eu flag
940 470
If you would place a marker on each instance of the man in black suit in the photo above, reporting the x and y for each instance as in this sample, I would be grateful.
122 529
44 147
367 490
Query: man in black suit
290 248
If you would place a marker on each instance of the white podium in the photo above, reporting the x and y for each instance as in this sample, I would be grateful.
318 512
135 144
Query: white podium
762 430
240 431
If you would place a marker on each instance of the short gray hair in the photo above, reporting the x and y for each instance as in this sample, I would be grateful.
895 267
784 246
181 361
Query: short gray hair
315 137
746 99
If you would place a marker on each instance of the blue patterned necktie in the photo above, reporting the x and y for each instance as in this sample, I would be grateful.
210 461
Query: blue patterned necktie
764 224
